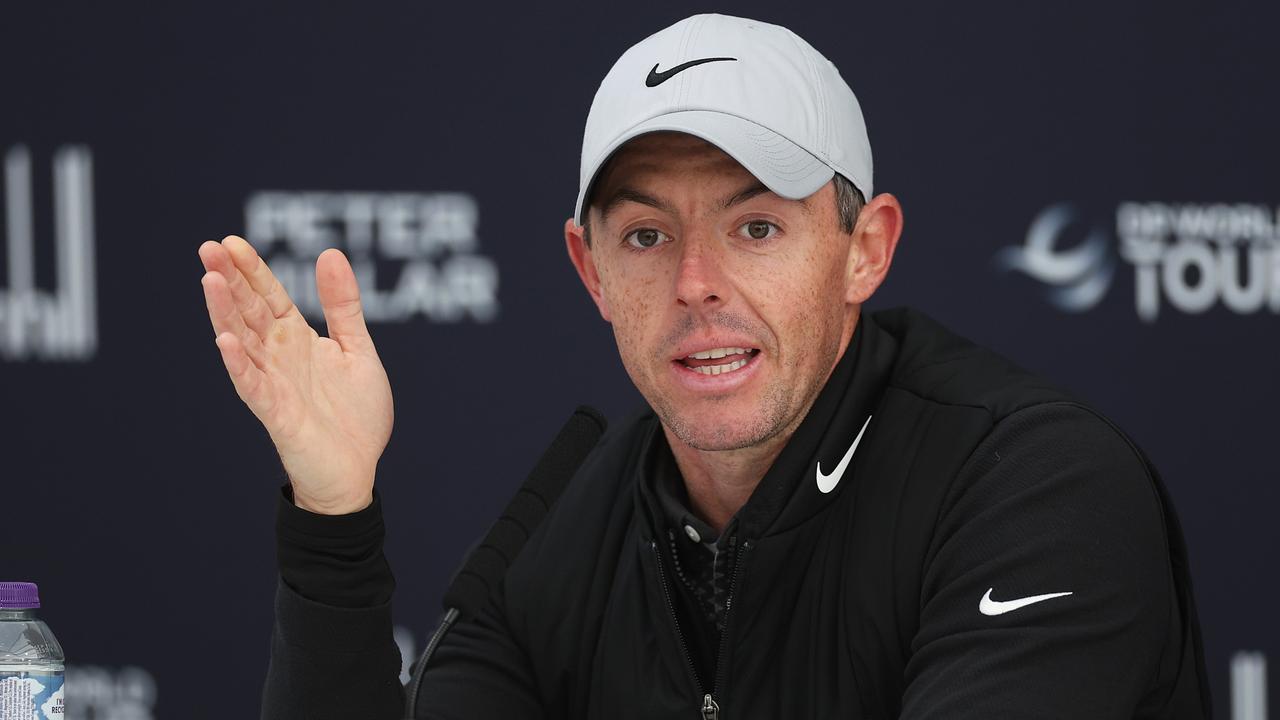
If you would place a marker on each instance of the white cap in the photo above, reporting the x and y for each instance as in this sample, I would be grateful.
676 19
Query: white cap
757 91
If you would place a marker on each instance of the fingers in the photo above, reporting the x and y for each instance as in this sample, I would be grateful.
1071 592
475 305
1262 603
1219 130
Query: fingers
259 276
340 299
253 308
255 299
249 381
226 317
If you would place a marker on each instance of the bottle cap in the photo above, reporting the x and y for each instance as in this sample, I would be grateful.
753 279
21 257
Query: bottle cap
19 596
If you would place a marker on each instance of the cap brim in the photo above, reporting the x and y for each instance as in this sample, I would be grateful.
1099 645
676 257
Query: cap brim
783 166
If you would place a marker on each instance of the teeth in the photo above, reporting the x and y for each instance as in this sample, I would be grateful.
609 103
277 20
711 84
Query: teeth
718 369
718 353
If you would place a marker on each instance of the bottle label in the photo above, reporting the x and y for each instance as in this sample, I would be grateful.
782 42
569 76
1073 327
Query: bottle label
31 695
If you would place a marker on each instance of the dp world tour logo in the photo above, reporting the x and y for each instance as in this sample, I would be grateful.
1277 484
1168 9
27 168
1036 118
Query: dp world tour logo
35 322
1078 276
1188 256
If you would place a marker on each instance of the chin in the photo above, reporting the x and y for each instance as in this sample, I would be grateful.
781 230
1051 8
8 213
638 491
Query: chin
711 439
723 428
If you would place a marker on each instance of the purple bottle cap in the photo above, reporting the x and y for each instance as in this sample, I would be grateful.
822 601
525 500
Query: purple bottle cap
19 596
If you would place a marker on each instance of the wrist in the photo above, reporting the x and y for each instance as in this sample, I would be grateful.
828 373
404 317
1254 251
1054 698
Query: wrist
337 506
333 559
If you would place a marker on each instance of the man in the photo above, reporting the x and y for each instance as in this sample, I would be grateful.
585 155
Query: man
825 513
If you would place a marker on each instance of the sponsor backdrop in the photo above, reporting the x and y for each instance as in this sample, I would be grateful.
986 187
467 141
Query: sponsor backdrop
1089 187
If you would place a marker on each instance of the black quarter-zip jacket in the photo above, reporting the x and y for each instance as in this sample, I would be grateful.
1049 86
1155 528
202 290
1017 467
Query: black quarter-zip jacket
993 548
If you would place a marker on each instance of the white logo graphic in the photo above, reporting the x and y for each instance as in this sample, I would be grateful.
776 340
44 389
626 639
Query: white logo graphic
990 607
1248 686
1079 276
408 651
426 241
35 322
95 692
1192 256
827 483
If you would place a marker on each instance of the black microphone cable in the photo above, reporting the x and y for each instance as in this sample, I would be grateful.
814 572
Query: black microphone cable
486 565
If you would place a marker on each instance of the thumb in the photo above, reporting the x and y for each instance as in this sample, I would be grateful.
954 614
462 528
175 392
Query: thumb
340 299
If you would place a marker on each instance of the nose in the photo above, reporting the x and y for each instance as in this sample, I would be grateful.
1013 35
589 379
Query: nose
700 279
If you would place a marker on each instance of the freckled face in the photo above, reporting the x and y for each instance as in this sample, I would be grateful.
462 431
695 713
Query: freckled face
729 304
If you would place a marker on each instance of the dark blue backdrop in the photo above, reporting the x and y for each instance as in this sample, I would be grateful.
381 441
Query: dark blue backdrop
139 492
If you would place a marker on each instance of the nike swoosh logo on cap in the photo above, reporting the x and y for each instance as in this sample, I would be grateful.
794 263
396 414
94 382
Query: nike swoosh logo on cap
656 78
990 607
827 483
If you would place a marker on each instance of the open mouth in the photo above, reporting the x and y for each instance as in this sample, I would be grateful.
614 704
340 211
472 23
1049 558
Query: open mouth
719 361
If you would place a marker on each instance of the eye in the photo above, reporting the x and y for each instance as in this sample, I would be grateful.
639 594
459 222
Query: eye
758 229
645 238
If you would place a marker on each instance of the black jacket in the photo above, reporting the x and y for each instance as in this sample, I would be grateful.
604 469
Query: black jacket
975 485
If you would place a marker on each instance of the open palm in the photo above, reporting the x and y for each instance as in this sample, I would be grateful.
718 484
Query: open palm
325 401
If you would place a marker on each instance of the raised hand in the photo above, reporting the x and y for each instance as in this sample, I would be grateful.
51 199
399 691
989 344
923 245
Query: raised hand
325 401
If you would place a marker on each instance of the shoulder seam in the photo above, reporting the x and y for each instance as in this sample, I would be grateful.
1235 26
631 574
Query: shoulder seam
991 412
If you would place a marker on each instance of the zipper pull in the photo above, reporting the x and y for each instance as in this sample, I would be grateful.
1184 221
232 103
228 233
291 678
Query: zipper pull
710 710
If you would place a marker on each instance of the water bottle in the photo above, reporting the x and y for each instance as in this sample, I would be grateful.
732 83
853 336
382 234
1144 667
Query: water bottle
31 660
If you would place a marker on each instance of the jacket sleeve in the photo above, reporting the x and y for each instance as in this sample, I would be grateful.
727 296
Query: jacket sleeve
332 650
331 662
1047 591
333 655
480 672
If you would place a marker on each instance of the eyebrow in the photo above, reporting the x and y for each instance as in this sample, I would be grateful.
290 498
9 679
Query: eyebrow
755 189
743 195
626 194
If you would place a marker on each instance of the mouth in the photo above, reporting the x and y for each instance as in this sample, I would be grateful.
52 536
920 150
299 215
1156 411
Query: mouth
719 361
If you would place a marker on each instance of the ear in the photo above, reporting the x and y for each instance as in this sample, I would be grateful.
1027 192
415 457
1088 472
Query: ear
584 262
875 238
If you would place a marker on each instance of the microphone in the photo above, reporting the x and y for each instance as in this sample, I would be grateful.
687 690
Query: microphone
485 567
488 563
